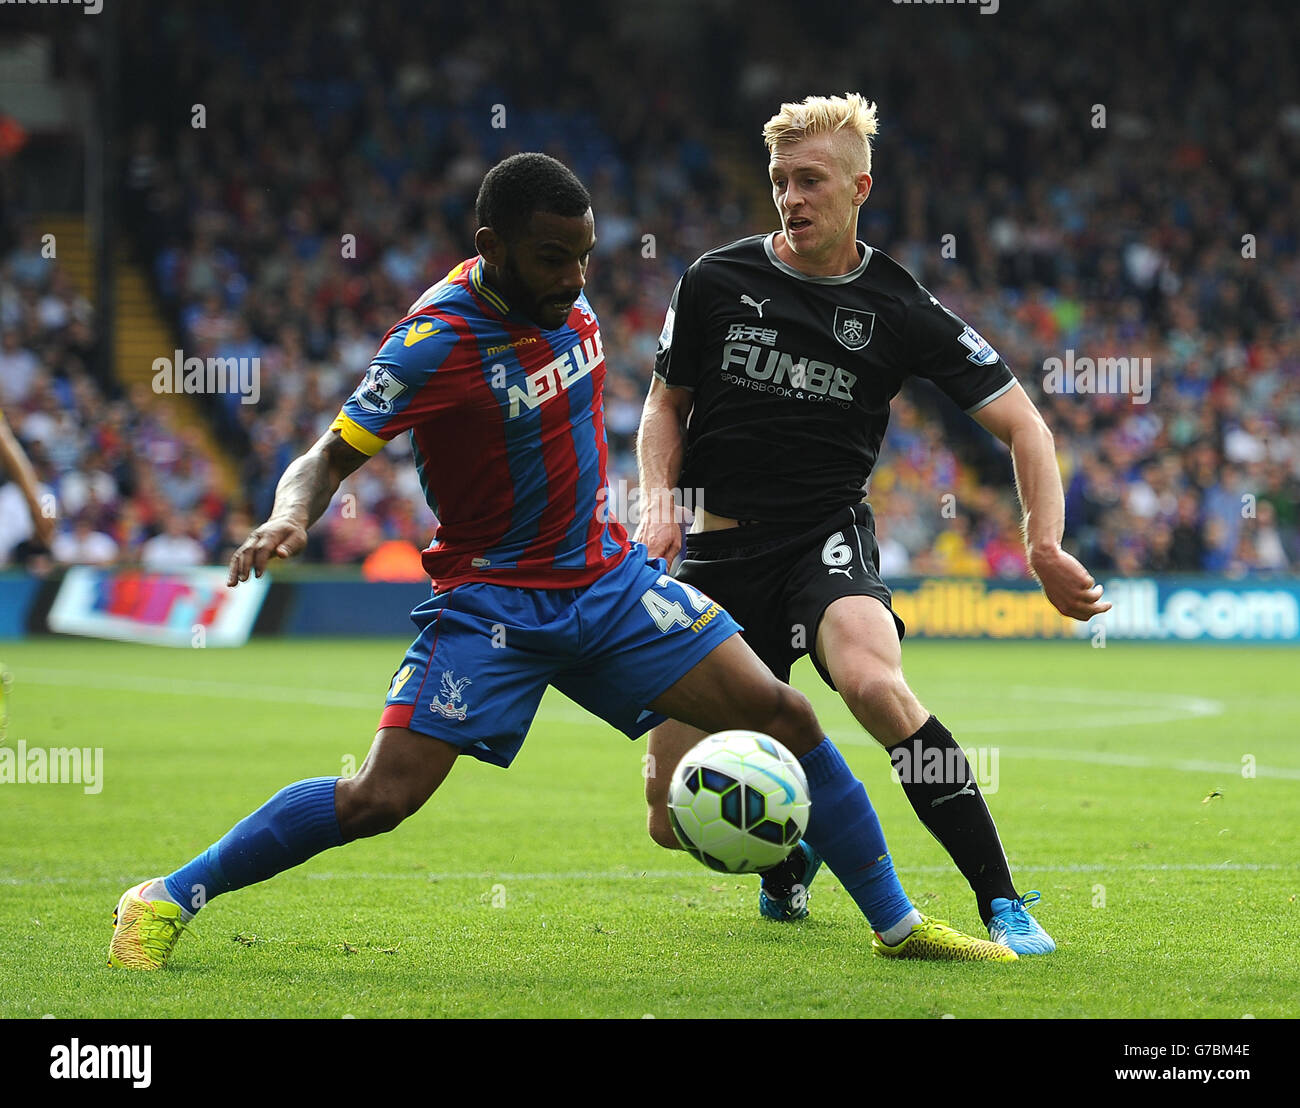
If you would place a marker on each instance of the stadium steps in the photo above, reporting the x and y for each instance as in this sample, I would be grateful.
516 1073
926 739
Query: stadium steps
141 333
743 162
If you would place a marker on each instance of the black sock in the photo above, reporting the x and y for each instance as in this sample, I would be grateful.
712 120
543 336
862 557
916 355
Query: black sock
942 790
780 880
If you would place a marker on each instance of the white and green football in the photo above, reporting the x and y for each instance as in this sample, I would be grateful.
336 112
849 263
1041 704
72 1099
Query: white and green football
738 801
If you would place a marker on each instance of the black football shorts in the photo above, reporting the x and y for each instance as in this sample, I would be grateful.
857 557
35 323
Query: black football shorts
778 582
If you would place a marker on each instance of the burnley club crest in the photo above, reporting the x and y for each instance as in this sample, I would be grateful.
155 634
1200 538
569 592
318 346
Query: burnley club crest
853 328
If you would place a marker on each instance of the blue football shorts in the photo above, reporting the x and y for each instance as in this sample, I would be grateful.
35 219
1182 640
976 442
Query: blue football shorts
475 675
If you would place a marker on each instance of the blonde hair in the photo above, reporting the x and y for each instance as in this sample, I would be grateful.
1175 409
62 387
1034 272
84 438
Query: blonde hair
851 114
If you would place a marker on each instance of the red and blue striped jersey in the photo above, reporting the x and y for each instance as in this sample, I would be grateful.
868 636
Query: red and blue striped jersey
507 423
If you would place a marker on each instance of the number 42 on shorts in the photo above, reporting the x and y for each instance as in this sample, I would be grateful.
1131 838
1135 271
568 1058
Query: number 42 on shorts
668 614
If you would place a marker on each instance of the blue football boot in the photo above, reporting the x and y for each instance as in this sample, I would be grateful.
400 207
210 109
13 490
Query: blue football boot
792 877
1013 926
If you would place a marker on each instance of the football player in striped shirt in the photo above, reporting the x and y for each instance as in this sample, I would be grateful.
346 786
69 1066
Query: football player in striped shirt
496 374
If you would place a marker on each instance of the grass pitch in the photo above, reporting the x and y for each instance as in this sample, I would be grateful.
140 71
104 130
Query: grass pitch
1152 793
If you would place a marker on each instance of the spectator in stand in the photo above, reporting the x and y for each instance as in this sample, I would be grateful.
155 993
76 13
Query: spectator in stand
1160 549
1269 553
18 369
1004 549
175 548
83 545
1187 539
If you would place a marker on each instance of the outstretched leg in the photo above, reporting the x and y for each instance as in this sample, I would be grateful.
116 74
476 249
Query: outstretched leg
401 771
730 688
667 746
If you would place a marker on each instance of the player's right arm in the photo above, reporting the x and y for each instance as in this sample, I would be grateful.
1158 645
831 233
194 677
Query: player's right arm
304 492
396 394
660 447
661 439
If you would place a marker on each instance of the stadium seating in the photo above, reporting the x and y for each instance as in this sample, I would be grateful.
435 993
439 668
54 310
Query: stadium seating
1122 241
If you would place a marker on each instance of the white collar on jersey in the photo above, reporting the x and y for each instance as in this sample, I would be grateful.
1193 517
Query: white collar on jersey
842 279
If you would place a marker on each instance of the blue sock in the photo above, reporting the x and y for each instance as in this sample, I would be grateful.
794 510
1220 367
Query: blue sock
295 824
844 830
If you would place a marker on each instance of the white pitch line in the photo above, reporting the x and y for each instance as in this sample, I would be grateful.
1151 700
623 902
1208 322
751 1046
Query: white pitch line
691 871
1162 704
1100 758
1152 708
1161 708
1142 761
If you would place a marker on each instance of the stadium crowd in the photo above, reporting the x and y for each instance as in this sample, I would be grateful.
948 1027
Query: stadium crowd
326 191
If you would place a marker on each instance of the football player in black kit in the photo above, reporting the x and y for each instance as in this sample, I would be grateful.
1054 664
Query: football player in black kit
779 356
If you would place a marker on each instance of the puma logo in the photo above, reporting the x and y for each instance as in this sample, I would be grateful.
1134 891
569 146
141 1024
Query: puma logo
847 572
967 789
757 305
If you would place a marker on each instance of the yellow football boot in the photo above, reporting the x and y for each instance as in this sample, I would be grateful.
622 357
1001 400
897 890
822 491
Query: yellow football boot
936 941
144 931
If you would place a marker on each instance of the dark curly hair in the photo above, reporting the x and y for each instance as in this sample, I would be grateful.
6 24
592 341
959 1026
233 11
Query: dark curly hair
523 184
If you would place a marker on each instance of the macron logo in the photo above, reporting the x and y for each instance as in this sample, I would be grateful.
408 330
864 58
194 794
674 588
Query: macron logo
90 1062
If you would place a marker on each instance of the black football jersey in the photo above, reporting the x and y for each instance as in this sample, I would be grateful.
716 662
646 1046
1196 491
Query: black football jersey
793 375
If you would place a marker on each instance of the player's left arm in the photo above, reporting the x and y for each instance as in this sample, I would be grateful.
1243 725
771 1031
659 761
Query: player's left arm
1014 419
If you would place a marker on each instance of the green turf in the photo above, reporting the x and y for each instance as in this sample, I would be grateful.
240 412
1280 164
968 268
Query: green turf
535 891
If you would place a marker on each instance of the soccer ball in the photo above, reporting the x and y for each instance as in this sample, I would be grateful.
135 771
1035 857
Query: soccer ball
739 801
